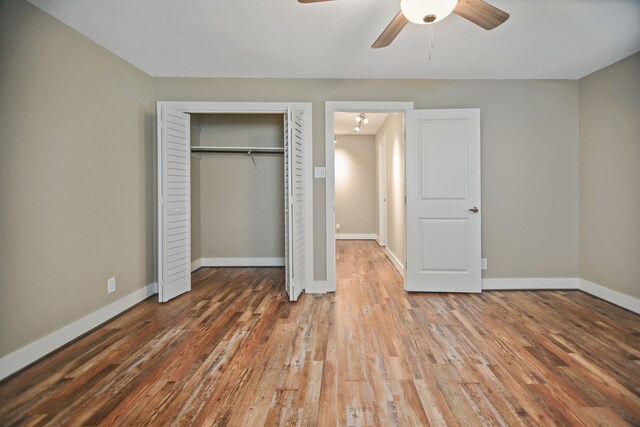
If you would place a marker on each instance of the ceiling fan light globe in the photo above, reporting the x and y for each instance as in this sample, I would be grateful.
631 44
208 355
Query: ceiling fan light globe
427 11
365 121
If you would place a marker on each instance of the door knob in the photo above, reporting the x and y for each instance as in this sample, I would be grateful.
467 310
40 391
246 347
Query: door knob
474 210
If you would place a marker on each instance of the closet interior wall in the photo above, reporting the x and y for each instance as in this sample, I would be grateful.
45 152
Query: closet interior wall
237 206
195 191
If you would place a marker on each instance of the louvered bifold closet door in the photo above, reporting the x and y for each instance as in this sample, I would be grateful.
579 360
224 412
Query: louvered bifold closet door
287 210
175 246
297 162
294 187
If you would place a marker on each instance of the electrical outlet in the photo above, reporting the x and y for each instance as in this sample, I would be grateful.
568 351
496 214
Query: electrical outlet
338 227
483 263
111 285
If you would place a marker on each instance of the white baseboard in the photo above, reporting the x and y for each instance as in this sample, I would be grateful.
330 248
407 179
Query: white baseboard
355 236
196 264
28 354
614 297
395 261
530 283
237 262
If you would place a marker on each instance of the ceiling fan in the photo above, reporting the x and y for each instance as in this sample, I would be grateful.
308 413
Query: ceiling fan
429 11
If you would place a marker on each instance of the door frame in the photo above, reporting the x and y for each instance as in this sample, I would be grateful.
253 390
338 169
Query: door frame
332 107
206 107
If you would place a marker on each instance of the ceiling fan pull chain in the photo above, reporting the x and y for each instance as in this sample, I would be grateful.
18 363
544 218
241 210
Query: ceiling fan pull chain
430 41
432 35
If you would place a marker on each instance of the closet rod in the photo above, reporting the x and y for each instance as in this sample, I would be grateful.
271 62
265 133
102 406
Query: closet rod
243 150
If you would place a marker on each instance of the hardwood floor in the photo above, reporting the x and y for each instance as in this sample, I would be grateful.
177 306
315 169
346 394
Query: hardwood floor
235 352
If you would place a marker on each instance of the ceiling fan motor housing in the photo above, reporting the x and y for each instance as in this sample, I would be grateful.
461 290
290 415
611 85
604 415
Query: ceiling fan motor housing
429 18
427 11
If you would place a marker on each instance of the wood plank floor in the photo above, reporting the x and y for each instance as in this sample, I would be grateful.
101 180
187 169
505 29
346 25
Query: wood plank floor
235 352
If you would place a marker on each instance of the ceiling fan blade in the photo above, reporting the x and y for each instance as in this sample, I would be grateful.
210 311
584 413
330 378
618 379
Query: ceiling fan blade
391 32
311 1
481 13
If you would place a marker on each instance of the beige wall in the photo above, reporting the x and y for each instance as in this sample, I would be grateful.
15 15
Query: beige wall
355 174
529 155
241 204
195 190
610 177
77 156
76 176
392 131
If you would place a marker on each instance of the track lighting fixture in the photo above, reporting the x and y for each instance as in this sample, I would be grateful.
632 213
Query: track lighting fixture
362 120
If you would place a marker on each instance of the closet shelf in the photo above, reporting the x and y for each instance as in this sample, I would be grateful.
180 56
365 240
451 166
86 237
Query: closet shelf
243 150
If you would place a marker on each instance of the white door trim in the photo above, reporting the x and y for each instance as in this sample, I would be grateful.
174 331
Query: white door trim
330 108
261 108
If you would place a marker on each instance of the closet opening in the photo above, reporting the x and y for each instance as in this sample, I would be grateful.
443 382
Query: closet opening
237 190
232 179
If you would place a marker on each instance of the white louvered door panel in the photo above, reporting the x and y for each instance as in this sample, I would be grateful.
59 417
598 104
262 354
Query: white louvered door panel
296 173
287 220
174 266
294 203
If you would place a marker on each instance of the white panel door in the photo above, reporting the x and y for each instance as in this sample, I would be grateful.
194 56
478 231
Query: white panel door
443 200
294 203
174 246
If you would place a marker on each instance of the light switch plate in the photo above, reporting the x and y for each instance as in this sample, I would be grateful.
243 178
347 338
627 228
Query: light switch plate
483 263
319 172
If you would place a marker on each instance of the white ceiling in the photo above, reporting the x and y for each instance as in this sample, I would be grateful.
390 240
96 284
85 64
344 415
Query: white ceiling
344 123
559 39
